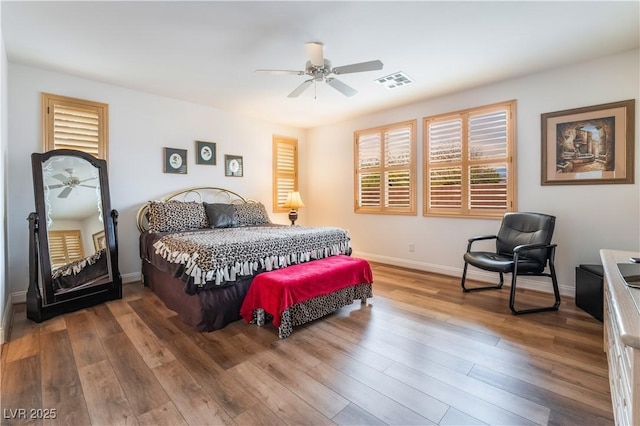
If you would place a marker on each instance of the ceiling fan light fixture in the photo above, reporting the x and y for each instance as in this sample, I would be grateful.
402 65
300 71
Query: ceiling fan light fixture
315 52
319 69
395 80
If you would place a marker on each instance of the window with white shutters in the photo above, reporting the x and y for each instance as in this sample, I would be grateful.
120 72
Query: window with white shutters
469 160
385 169
285 170
70 123
65 247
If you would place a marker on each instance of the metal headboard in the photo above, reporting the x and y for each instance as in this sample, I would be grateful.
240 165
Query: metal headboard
209 194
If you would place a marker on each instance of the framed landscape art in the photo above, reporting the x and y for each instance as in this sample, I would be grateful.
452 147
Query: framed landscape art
590 145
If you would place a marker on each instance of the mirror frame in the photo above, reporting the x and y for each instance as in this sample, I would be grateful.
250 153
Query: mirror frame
42 301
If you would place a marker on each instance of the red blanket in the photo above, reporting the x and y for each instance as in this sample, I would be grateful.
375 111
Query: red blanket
277 290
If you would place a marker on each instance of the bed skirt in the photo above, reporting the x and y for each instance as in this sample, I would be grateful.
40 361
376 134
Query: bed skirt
206 311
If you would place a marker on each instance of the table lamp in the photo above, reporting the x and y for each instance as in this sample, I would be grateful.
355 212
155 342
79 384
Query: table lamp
293 202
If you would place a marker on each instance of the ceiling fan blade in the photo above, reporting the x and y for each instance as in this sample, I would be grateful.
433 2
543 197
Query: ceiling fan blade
65 192
91 178
56 186
315 52
341 87
298 90
281 72
60 177
359 67
89 186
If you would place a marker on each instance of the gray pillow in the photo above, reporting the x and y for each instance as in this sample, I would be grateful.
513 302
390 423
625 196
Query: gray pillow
221 215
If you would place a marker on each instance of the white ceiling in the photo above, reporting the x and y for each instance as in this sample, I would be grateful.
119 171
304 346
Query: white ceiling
206 52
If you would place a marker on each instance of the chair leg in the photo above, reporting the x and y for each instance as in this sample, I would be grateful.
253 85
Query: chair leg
467 290
554 281
556 293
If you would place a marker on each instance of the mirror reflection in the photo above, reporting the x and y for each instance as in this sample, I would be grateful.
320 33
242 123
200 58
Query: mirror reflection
75 223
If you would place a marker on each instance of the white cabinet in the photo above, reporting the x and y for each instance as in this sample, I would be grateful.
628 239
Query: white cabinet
622 338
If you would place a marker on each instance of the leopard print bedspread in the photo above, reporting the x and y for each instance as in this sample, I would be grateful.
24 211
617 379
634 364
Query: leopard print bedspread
220 255
77 266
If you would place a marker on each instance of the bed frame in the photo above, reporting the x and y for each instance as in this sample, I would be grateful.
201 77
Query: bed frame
210 194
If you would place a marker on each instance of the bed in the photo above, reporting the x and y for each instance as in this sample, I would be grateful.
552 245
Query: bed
81 273
201 248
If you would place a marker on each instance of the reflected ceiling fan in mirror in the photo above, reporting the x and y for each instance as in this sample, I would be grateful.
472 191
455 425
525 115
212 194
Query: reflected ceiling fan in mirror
319 69
69 183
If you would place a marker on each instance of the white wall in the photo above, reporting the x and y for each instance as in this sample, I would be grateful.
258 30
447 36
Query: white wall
140 125
589 217
5 307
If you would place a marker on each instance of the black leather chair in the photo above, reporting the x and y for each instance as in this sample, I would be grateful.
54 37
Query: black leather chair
523 247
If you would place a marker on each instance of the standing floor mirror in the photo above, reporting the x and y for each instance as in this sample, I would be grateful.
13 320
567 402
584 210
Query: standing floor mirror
73 248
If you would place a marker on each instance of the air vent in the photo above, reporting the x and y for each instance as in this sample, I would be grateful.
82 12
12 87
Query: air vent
395 80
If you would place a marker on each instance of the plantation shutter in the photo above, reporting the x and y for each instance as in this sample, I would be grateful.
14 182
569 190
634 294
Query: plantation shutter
75 124
468 159
385 169
285 170
65 247
397 178
444 184
369 162
488 151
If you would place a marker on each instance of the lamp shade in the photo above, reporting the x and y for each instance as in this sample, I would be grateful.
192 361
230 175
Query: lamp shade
293 201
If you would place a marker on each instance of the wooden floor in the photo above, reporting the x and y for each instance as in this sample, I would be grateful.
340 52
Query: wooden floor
420 352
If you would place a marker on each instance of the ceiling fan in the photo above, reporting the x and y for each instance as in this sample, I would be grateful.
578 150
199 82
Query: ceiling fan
319 69
69 183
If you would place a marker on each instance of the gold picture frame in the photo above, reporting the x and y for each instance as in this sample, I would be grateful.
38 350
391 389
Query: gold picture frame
99 241
590 145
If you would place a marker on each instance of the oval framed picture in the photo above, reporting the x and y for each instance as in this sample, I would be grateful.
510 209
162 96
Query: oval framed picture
175 161
206 153
233 165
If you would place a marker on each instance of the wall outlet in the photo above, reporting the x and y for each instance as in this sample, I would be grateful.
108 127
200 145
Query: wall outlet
412 247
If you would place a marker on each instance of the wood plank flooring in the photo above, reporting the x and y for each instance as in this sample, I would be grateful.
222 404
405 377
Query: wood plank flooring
419 352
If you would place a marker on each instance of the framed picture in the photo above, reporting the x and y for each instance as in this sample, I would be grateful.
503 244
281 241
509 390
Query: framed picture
206 153
233 165
175 161
99 241
590 145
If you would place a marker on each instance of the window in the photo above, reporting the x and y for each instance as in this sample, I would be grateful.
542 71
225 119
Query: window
469 159
385 169
65 247
70 123
285 170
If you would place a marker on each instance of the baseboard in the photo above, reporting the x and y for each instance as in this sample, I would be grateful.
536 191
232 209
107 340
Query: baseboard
131 277
5 326
476 275
18 297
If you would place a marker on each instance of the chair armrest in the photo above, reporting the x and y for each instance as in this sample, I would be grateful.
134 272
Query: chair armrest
479 238
526 247
483 237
